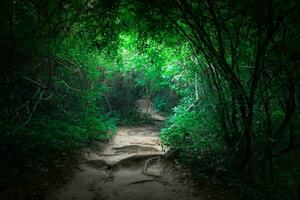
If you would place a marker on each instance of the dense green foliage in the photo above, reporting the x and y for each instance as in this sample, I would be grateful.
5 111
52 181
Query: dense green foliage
225 72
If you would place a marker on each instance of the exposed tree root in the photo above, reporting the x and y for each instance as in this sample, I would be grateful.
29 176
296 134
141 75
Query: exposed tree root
110 154
147 181
134 158
136 148
141 181
146 166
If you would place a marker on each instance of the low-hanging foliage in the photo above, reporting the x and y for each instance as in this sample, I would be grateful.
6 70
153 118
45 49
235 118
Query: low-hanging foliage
197 137
72 70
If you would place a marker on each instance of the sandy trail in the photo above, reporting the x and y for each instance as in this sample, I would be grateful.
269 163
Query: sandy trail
117 171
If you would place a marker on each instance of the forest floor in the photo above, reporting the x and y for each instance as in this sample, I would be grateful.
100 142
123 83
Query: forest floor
132 166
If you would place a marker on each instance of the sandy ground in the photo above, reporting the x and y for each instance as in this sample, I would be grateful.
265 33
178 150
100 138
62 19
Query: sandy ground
146 107
117 172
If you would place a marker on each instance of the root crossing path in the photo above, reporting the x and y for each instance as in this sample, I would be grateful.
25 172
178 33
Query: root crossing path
129 167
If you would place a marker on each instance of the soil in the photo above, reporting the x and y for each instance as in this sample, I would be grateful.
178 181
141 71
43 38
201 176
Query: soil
132 166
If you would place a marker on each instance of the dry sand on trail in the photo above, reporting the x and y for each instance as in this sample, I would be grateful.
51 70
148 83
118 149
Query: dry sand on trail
117 172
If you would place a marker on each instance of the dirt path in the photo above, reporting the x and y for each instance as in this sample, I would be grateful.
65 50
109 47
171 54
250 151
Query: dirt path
118 171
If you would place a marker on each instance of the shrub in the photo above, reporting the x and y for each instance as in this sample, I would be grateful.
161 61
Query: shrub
196 137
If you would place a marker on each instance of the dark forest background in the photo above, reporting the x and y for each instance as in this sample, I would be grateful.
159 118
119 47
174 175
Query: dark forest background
225 73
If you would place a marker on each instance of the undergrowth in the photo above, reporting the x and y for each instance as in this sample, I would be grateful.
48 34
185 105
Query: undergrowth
32 154
202 152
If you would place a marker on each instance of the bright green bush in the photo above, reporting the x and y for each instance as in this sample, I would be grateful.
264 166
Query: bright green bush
197 138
